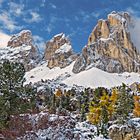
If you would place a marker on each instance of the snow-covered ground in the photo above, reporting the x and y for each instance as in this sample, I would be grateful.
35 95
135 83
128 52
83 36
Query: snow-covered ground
93 77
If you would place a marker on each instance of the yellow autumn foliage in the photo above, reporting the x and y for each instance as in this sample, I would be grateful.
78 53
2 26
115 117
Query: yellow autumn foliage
58 93
95 109
136 110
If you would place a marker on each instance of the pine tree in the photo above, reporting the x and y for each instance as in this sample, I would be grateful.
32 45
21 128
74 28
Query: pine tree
124 105
85 104
48 98
11 79
65 101
53 107
28 99
58 101
12 91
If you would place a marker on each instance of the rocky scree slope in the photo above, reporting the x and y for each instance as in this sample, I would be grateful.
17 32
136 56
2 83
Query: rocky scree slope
110 47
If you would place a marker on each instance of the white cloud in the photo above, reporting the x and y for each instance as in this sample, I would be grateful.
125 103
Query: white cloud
76 18
4 38
135 32
53 20
8 22
53 6
49 28
51 25
134 27
8 18
86 16
132 11
73 33
43 3
29 16
35 17
1 1
95 14
16 9
39 41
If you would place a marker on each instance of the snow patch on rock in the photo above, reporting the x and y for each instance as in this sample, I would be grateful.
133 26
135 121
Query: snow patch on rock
64 48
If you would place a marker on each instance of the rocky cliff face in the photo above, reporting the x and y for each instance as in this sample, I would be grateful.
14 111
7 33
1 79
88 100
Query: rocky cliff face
22 49
22 38
59 51
110 47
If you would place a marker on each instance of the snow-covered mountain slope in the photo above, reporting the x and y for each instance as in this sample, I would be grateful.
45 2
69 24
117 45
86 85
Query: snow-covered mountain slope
24 54
93 77
44 72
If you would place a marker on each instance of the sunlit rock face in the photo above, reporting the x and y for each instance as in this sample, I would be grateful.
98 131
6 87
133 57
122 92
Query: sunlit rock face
110 47
21 48
59 52
22 38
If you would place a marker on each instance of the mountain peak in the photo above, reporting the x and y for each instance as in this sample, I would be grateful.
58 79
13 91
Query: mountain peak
118 18
22 38
104 28
21 48
110 47
59 51
60 35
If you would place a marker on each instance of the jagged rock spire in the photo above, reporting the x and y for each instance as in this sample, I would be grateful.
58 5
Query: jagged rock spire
59 51
110 47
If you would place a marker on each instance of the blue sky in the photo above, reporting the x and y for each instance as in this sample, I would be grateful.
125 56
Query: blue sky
45 18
